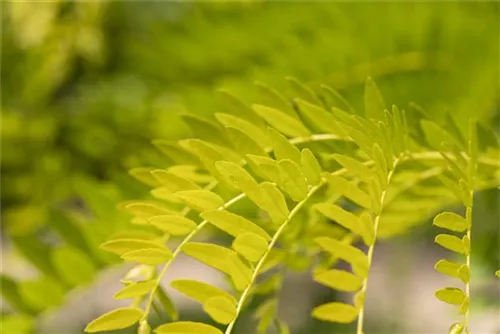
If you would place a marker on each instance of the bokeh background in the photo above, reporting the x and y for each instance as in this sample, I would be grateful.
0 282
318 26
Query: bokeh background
86 86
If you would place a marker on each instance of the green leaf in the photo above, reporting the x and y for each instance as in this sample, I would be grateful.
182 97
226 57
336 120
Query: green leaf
265 314
284 123
246 127
336 100
237 107
82 268
116 319
349 190
339 280
310 167
452 269
456 328
354 167
243 143
466 193
176 153
319 119
173 182
464 274
374 103
233 224
359 300
186 327
236 176
274 99
450 221
200 200
293 180
264 167
345 252
283 328
273 201
250 245
336 312
472 150
144 175
143 209
173 224
367 229
135 290
464 307
11 296
435 135
283 149
380 165
206 130
342 217
200 291
167 303
42 293
452 243
453 296
220 309
302 91
151 256
122 246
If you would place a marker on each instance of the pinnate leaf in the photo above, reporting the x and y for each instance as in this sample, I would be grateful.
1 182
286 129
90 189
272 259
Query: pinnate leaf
346 252
122 246
135 290
336 312
343 217
233 224
354 167
450 221
173 182
151 256
374 103
200 291
173 224
186 327
116 319
282 147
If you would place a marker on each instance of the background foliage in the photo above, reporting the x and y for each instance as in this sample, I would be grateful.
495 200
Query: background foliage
86 86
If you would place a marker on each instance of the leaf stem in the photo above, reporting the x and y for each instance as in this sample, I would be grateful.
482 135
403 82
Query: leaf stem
372 247
468 218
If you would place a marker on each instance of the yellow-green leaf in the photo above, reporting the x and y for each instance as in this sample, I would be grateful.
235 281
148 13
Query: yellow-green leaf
116 319
450 221
143 209
282 147
151 256
265 314
310 166
452 243
319 118
380 165
122 246
245 127
200 200
336 312
354 167
346 252
186 327
339 280
359 300
220 309
292 180
264 167
200 291
233 224
205 129
281 121
240 272
451 295
343 217
135 290
167 303
374 103
237 107
273 201
243 143
497 273
174 182
250 245
452 269
456 328
236 175
173 224
301 90
144 175
349 190
274 99
175 152
210 254
336 100
367 229
464 307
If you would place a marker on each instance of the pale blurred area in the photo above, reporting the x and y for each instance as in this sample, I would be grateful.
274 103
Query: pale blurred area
87 85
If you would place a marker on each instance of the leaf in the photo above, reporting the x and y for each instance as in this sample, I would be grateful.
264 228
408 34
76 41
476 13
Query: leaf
274 99
144 175
237 107
464 307
310 167
451 295
206 130
151 256
265 313
167 303
374 103
349 190
243 143
435 135
497 273
284 123
472 150
200 291
293 180
233 224
264 167
452 269
336 312
450 221
319 119
173 182
367 229
186 327
342 217
246 127
359 300
82 268
173 224
282 147
135 290
380 165
200 200
122 246
143 209
301 90
220 309
336 100
456 328
339 280
348 253
464 274
354 167
250 245
273 201
116 319
466 193
236 175
452 243
176 153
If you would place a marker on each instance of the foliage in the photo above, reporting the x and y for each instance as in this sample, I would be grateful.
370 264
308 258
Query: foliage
284 164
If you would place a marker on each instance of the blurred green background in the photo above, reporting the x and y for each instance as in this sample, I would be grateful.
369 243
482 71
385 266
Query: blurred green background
86 86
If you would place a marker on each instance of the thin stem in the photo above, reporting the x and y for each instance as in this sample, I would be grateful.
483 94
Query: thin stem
372 247
468 218
261 262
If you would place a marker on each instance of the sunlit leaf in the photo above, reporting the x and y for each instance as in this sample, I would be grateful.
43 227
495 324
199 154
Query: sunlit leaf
273 201
116 319
274 99
354 167
293 180
176 153
135 290
174 182
346 252
339 280
284 123
310 167
318 118
220 309
302 91
452 243
359 300
451 295
374 103
143 209
122 246
246 127
283 149
144 175
206 130
151 256
456 328
336 312
233 224
367 228
243 143
167 303
200 200
345 218
349 190
186 327
452 269
450 221
173 224
200 291
250 245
